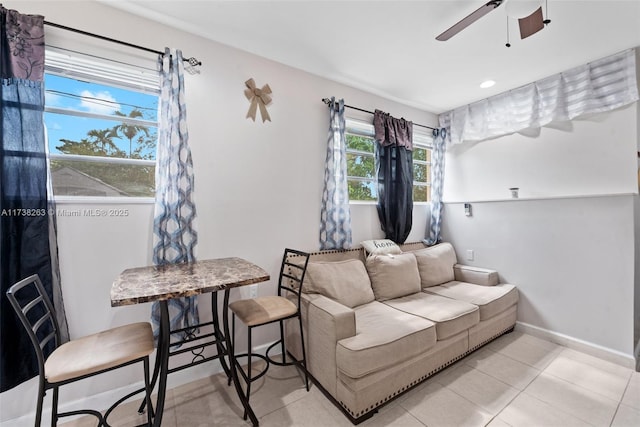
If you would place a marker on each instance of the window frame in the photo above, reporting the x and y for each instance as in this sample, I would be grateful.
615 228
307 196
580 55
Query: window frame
421 139
88 68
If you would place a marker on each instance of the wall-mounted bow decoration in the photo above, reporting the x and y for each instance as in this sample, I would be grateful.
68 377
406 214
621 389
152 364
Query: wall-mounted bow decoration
258 97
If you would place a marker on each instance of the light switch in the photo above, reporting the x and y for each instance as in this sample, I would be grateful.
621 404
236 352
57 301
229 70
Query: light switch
470 254
467 209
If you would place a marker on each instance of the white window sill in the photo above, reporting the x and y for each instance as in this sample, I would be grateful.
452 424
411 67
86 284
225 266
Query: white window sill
362 202
371 202
78 200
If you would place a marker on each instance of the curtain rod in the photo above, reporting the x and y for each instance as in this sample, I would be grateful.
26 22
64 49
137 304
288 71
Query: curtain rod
192 61
327 101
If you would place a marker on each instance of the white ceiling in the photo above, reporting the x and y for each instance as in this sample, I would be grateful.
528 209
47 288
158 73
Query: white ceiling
389 47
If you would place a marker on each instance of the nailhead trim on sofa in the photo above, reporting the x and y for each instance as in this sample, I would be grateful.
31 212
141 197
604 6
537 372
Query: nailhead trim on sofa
355 416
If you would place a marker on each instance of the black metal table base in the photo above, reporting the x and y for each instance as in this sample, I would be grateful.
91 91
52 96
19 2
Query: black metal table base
224 346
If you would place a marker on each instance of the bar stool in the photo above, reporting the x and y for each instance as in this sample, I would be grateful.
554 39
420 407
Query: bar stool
264 310
81 358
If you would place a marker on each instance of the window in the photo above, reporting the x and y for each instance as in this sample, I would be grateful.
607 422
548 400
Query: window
101 121
361 169
421 172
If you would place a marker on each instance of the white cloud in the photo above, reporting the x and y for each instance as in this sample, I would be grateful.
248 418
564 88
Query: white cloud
99 102
52 99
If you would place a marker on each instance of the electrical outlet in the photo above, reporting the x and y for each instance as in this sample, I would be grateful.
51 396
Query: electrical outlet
253 291
470 255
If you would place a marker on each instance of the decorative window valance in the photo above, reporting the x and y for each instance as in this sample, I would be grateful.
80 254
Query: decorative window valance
599 86
392 131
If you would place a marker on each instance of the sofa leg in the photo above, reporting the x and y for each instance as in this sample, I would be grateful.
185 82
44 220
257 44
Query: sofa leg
363 418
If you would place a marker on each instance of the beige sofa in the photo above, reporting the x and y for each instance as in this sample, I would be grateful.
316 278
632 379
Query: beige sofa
374 326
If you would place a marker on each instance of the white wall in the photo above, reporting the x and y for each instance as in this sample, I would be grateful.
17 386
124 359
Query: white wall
594 156
636 316
572 260
636 307
258 186
568 243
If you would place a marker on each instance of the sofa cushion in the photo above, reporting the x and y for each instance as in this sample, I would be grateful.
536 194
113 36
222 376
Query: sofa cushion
384 337
435 264
381 247
393 276
344 281
450 316
491 300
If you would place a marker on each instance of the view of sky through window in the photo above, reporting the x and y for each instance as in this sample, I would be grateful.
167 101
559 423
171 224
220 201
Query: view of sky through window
110 103
102 138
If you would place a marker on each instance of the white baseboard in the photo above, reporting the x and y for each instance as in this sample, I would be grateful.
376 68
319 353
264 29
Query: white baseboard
614 356
101 401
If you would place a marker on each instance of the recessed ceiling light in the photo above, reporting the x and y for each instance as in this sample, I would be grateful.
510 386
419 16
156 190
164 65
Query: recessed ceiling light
487 84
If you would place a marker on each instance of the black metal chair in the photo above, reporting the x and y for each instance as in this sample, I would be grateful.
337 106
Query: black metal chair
80 358
264 310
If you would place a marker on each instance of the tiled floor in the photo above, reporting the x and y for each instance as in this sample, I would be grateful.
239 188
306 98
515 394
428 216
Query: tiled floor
517 380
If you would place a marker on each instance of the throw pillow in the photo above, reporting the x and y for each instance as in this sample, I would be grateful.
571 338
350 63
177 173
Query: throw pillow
381 246
344 281
393 276
435 264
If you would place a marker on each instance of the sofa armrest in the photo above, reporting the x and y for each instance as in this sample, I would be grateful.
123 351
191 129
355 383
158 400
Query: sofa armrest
337 321
326 323
475 275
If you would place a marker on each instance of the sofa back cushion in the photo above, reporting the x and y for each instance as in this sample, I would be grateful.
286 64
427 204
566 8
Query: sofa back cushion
435 264
393 276
344 281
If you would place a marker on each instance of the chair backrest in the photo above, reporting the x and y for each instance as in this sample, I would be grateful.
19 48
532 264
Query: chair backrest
34 309
292 271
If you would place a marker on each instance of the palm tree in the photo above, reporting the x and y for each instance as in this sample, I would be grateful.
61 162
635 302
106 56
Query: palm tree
103 138
130 130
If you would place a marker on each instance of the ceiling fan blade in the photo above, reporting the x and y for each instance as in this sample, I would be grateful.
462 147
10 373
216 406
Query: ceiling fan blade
531 24
470 19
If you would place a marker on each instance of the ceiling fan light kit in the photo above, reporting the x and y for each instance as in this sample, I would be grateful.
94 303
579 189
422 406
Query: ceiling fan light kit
531 24
527 12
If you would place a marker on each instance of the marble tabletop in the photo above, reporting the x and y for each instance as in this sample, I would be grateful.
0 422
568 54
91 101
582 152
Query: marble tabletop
157 283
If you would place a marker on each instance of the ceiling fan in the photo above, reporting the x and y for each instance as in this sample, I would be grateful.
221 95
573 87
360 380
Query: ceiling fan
528 13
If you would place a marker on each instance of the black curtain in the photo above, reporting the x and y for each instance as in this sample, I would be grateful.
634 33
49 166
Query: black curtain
394 164
24 219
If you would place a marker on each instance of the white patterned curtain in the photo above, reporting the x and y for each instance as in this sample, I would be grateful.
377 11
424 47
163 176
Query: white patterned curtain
437 181
335 216
174 233
602 85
